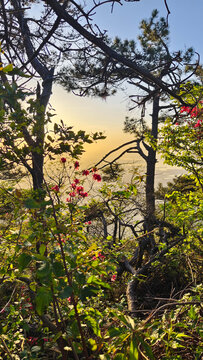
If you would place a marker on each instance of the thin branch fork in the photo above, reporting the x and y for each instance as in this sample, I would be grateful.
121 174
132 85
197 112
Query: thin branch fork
114 150
135 149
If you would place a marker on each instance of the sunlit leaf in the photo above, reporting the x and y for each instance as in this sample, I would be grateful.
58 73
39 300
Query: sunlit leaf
133 351
8 68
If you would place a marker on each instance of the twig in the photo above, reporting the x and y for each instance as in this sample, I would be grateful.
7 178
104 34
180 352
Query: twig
5 306
168 11
176 303
6 348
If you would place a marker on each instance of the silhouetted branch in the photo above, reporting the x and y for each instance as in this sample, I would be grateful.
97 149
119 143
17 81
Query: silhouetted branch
97 41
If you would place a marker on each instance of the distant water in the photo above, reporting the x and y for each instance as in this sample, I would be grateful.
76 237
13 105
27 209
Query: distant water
164 173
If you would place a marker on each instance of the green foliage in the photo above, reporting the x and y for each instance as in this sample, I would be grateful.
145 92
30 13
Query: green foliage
112 172
21 126
182 146
62 275
93 73
57 277
174 336
65 286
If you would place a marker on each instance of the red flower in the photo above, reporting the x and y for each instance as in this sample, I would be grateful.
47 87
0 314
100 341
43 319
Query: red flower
97 177
83 194
113 278
32 340
73 185
85 172
79 189
63 160
76 165
101 257
55 188
198 124
192 112
72 194
186 109
76 181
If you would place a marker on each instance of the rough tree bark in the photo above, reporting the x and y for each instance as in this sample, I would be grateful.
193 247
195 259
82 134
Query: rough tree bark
151 162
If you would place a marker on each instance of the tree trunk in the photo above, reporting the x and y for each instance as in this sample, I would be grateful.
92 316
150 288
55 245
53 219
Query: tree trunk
38 152
151 162
37 165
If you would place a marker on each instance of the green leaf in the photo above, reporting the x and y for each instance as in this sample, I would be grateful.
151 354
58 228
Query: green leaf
35 349
8 68
127 320
94 325
74 329
45 203
33 286
80 277
67 292
192 314
147 348
93 344
115 332
71 206
181 335
42 249
120 356
57 336
44 271
16 71
43 299
133 351
97 281
133 189
121 193
31 204
88 292
58 268
23 261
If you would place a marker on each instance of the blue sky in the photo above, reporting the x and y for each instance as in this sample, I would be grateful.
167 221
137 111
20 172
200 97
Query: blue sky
185 20
186 28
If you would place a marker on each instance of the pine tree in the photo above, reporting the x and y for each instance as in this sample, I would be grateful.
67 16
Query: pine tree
100 76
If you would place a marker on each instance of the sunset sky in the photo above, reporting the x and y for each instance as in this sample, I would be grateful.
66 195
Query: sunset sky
186 30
